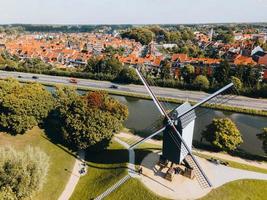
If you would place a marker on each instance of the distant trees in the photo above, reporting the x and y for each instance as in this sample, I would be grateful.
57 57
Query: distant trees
109 65
165 69
23 106
201 82
127 75
222 72
142 35
237 83
22 173
89 121
188 73
223 134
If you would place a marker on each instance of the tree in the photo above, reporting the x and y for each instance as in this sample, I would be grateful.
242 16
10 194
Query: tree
127 75
89 121
223 134
188 73
23 106
165 70
22 173
222 72
201 82
109 65
142 35
263 137
101 100
237 83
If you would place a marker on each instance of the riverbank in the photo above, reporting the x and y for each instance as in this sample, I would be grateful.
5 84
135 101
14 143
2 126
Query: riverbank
221 107
234 161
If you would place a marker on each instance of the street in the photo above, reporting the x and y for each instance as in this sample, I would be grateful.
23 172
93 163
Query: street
238 101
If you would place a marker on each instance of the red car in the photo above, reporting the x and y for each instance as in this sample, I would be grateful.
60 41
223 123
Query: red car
73 80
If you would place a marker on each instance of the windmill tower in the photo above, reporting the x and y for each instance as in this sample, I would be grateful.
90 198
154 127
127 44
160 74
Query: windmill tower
178 132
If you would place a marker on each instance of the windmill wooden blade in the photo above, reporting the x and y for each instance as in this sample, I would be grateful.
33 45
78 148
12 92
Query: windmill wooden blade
147 138
152 95
177 138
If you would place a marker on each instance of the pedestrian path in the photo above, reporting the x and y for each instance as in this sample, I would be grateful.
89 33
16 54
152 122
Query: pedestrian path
74 178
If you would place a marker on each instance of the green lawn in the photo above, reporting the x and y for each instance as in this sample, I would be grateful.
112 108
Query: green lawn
133 189
240 190
60 160
235 164
104 169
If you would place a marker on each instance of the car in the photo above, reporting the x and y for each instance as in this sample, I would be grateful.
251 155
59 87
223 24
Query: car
73 80
35 77
19 76
114 87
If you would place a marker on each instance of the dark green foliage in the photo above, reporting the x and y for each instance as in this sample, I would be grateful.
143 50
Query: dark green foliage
263 137
222 72
188 74
23 106
142 35
108 65
223 134
201 82
127 75
165 69
89 121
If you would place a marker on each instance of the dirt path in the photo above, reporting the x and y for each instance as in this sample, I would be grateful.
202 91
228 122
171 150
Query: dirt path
74 178
212 154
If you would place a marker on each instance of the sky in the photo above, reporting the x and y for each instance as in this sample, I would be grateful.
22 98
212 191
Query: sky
131 11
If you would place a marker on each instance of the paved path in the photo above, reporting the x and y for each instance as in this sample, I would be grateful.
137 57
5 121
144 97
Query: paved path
74 178
238 101
128 136
184 188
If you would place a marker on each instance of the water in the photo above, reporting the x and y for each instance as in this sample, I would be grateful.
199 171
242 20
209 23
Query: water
142 113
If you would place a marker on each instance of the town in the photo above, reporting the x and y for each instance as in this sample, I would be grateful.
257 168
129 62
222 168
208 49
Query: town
133 100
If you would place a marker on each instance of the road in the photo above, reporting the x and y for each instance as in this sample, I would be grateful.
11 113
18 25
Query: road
238 101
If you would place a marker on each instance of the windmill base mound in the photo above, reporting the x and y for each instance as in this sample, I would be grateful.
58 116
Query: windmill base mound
179 188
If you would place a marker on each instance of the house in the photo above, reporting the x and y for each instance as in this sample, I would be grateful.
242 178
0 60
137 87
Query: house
243 60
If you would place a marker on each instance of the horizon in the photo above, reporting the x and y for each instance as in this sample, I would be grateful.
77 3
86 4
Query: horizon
119 12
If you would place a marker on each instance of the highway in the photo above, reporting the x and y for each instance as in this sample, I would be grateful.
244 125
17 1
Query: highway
238 101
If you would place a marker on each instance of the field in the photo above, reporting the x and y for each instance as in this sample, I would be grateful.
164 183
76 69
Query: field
61 161
104 169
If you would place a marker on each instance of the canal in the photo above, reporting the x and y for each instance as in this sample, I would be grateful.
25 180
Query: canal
143 113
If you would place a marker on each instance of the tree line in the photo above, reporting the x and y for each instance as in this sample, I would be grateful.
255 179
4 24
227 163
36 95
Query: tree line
84 121
247 79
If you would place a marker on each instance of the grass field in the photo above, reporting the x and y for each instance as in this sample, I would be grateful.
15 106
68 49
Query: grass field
104 169
240 190
235 164
60 160
131 190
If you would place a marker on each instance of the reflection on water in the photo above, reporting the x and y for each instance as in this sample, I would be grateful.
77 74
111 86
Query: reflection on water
144 112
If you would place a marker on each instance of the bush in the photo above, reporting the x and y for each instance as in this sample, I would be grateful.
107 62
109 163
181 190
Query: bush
237 83
201 82
22 174
263 137
223 134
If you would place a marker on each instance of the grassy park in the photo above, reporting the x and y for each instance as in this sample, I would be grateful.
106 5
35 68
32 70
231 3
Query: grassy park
104 169
61 161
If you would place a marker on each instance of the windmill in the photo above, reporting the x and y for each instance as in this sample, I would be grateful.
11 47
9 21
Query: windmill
178 132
